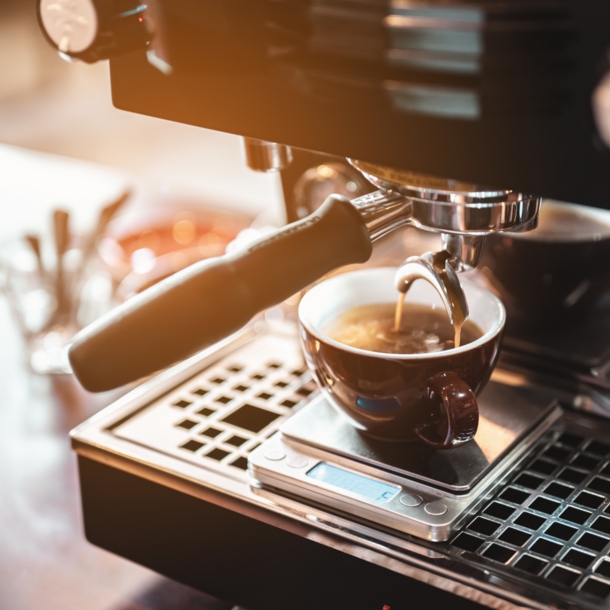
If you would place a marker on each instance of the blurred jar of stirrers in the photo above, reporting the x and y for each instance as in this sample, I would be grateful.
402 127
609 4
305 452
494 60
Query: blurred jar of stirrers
59 283
56 286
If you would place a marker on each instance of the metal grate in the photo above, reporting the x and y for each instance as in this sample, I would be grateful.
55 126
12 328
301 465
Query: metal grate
226 411
552 521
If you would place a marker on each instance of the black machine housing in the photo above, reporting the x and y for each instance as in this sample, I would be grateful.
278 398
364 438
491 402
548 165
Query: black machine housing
498 93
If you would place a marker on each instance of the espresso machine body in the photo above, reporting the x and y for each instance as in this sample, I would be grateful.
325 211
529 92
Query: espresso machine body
193 472
500 94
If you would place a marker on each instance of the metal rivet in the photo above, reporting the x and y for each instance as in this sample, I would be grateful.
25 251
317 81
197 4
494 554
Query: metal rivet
410 500
275 455
297 461
435 508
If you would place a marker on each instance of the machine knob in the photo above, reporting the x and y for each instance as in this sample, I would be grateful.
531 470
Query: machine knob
92 30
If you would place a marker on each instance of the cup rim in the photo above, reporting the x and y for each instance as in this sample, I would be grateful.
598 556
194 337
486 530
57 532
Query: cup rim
482 340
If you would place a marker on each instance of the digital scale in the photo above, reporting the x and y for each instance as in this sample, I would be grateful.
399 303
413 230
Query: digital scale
410 487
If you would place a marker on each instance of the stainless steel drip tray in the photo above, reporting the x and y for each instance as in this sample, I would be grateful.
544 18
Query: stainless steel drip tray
164 483
507 416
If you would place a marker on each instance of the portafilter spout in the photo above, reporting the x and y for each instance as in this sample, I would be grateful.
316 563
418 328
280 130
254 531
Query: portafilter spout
214 298
435 268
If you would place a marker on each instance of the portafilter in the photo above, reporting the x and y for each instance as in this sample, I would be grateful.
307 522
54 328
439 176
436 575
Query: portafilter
216 297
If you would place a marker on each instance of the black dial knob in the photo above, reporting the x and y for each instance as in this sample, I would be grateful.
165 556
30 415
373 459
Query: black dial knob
92 30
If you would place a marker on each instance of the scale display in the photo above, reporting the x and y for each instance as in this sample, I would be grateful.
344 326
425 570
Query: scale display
355 483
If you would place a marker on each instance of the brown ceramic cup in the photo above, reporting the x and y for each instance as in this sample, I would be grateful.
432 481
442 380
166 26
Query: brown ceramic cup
400 397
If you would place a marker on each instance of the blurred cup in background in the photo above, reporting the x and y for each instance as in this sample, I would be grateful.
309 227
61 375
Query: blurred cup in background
143 247
556 270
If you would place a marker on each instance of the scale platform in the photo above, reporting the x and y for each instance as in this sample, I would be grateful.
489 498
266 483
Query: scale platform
410 487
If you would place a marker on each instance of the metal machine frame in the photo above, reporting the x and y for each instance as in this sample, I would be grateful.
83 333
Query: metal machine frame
211 527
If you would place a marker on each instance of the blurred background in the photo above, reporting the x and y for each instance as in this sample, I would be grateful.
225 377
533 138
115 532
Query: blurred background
64 149
63 146
51 106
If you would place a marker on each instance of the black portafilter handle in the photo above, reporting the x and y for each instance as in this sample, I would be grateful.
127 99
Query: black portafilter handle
216 297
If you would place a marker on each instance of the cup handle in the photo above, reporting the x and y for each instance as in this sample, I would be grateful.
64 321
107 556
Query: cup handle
460 421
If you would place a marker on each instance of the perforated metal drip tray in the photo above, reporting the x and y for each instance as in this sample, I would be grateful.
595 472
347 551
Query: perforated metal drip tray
551 522
542 537
225 411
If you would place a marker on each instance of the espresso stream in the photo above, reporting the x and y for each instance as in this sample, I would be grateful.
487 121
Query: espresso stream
422 329
458 319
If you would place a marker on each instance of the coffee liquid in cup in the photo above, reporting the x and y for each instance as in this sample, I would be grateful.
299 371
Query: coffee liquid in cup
423 329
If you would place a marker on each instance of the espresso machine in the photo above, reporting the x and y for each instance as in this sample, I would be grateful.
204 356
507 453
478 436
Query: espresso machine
229 471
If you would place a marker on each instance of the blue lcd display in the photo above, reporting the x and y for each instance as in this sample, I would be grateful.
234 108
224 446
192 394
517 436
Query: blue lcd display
357 484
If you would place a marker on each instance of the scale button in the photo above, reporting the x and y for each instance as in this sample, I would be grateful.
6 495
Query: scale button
410 500
275 455
435 508
297 461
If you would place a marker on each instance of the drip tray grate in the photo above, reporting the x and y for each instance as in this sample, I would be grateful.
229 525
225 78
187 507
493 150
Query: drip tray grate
552 520
227 410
